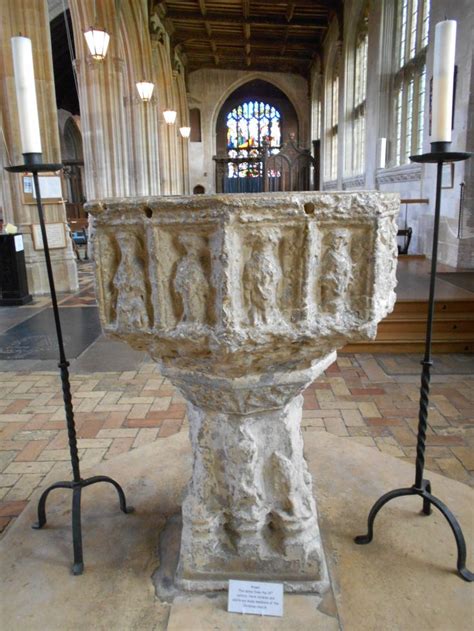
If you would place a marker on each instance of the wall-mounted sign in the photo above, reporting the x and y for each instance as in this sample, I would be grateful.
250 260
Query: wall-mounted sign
50 189
55 232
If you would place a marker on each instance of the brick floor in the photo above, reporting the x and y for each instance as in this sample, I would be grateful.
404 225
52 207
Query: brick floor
117 412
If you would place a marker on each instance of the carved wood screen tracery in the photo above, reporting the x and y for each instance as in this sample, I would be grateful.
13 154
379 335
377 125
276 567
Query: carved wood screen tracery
291 169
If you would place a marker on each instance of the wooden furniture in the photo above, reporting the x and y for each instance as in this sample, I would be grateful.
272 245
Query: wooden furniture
79 235
293 168
406 232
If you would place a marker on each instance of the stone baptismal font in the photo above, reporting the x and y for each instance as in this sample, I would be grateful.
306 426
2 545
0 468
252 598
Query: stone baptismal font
243 301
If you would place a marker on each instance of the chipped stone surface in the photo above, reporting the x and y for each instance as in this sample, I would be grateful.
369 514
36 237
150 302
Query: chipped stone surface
243 300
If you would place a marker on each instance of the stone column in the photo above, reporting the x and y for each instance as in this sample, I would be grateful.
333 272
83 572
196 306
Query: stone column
243 300
101 97
30 17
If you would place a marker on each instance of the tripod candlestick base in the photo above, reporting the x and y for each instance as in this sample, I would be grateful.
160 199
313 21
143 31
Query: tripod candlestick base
33 164
422 487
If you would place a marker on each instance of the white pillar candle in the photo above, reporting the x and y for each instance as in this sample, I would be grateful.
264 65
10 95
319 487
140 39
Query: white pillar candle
443 79
26 94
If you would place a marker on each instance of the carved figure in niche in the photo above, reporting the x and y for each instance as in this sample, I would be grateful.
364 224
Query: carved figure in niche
360 262
202 504
336 271
245 501
261 279
129 283
191 282
293 490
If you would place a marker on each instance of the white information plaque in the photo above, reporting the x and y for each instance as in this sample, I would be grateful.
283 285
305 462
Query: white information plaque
50 187
19 247
261 599
54 231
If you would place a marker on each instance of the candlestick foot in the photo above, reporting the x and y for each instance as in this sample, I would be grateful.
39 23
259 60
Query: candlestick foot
425 493
76 487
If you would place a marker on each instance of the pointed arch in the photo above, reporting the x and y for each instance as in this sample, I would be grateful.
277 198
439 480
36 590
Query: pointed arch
272 80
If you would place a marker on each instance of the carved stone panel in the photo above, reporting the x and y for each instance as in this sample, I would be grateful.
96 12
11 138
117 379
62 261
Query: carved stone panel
127 302
251 282
343 272
185 289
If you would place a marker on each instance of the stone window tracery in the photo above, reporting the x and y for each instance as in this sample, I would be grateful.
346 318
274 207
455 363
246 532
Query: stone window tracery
358 112
409 79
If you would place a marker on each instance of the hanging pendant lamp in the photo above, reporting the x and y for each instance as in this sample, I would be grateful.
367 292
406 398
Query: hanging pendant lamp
97 41
185 131
145 90
169 116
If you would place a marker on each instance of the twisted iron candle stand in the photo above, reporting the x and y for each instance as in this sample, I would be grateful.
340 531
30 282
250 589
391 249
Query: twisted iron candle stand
422 487
34 165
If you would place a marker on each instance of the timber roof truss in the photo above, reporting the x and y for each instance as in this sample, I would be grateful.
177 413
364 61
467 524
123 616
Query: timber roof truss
272 35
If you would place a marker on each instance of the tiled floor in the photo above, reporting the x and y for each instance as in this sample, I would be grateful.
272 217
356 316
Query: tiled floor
368 399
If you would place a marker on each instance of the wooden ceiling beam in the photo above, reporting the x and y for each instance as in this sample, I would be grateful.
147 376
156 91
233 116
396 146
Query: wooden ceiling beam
254 40
290 11
203 9
223 49
247 32
323 5
260 58
307 55
225 18
298 69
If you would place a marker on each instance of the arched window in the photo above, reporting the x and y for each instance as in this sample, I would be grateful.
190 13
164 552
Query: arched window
357 155
332 118
409 79
248 126
316 106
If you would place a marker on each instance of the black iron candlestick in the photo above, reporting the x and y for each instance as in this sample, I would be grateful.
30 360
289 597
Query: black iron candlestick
439 155
33 164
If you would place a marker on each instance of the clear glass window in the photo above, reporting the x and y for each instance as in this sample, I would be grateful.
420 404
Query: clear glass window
411 40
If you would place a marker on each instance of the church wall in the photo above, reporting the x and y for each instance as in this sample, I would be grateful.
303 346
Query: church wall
411 181
208 89
452 249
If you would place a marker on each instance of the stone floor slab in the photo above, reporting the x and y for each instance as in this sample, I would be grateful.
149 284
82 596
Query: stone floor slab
404 580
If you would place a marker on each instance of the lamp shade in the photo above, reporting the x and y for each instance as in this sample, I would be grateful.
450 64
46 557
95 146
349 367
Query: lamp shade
169 116
185 131
145 90
97 41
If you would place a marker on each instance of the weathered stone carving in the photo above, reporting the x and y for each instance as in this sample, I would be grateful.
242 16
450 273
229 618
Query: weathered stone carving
252 295
337 272
190 280
261 278
129 283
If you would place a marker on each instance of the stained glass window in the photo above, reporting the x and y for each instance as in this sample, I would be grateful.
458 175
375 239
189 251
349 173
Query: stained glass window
248 125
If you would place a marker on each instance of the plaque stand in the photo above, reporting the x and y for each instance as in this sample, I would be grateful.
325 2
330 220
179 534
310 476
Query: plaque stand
438 155
33 164
13 281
